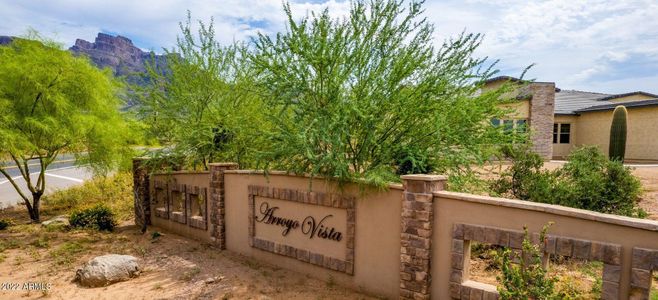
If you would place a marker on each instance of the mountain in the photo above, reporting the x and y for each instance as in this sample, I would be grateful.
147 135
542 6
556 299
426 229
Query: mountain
115 52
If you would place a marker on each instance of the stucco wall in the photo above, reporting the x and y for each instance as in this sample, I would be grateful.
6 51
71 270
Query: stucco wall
519 109
385 260
377 236
593 128
454 208
563 150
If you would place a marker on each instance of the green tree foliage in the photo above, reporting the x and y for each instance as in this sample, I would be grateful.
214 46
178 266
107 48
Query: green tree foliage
617 147
369 97
589 180
52 103
528 279
201 104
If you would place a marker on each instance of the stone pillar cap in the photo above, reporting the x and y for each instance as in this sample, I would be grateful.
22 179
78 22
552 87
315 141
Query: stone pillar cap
424 177
223 164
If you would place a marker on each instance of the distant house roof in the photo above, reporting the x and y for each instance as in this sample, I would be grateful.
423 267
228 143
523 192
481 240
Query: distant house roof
628 94
632 104
572 102
567 102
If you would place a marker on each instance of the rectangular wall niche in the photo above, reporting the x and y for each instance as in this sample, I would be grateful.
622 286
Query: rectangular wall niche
313 227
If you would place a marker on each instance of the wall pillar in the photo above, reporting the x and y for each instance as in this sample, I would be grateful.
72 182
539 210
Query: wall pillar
217 212
141 192
542 109
416 237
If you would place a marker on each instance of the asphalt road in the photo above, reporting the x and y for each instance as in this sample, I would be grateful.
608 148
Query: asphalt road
59 175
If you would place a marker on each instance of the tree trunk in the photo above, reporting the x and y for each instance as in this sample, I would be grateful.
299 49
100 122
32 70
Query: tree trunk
34 212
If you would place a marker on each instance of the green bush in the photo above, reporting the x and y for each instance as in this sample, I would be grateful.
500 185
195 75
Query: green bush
589 180
4 223
99 217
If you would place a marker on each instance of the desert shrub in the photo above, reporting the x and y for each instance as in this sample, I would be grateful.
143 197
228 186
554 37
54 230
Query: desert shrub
589 180
99 217
601 184
524 176
113 191
526 279
4 224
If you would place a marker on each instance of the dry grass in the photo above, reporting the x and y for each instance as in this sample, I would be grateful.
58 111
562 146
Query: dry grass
113 191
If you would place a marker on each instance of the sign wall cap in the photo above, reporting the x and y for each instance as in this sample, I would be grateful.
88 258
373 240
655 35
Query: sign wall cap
424 177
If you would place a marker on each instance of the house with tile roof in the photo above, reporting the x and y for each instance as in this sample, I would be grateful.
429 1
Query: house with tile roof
581 118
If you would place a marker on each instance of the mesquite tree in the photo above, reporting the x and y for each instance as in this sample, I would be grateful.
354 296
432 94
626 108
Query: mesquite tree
52 103
200 104
371 96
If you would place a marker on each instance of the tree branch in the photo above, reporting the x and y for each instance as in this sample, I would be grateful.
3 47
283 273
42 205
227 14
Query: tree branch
13 183
27 177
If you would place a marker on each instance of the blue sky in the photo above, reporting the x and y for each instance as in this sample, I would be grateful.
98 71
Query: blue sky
603 46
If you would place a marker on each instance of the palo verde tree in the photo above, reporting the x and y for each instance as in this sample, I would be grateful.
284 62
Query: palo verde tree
200 104
52 102
371 96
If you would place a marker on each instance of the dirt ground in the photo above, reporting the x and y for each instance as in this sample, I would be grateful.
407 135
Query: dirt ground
649 178
174 268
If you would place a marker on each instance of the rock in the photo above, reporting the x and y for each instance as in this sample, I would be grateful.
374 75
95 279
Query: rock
59 220
107 269
214 279
117 53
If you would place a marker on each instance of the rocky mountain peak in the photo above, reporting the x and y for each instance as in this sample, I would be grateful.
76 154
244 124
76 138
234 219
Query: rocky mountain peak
115 52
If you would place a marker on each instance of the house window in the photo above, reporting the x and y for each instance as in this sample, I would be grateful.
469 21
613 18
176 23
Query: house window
508 125
561 133
521 126
518 125
565 133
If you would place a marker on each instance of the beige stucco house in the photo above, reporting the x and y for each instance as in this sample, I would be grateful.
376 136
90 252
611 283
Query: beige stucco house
580 118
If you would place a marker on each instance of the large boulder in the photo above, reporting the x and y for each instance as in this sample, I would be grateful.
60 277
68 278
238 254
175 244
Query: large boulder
107 269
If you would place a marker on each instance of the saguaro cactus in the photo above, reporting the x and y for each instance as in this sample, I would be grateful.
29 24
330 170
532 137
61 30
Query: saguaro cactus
617 148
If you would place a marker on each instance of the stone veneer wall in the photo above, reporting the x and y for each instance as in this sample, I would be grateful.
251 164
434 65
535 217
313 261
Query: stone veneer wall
217 202
542 108
141 192
463 234
645 261
416 236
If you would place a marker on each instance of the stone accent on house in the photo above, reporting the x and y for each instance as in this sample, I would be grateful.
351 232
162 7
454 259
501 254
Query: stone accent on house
141 192
312 198
463 234
542 107
216 202
416 236
644 262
